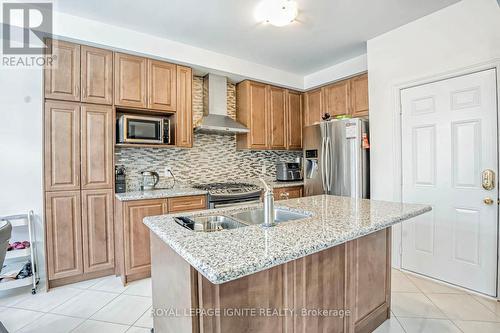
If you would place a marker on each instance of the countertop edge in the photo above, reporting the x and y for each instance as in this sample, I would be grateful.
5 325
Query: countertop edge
223 277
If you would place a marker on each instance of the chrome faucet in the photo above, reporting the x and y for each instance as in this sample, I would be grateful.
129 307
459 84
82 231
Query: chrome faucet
268 199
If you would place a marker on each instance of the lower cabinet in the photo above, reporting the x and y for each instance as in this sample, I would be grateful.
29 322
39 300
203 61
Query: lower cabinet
288 192
132 236
79 235
63 234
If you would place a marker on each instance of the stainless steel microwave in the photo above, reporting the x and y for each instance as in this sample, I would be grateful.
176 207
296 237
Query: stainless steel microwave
144 129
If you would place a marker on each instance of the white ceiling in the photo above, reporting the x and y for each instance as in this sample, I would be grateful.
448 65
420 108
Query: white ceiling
326 32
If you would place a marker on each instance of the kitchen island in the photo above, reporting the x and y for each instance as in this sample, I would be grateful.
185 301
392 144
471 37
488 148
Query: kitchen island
326 272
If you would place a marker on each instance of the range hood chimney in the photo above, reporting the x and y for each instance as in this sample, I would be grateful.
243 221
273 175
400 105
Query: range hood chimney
215 118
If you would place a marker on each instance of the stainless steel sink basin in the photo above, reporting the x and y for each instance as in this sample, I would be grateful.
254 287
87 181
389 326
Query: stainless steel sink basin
209 223
256 216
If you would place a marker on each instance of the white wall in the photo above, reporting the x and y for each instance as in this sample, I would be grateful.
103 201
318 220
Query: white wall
21 145
336 72
462 35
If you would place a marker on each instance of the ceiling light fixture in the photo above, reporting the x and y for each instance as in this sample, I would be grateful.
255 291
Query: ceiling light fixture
277 12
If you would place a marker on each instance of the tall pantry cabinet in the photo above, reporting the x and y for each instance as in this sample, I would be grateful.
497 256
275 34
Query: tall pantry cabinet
78 163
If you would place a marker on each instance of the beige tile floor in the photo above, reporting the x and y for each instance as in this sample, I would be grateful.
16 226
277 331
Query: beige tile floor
420 305
100 305
103 305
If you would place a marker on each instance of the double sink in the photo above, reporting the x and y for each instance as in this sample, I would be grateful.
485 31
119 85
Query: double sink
236 220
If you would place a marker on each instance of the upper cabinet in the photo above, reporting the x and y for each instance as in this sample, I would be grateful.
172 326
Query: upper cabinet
359 96
62 76
130 81
313 107
252 112
184 114
96 75
273 115
295 121
347 97
336 98
145 83
277 116
162 84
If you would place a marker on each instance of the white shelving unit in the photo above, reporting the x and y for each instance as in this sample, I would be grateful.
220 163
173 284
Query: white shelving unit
29 254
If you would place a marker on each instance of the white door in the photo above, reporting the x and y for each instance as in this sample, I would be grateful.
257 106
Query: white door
449 137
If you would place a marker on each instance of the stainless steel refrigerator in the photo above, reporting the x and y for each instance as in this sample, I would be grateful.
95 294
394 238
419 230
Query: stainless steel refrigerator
336 158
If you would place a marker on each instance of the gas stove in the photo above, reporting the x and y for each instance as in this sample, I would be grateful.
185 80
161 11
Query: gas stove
230 194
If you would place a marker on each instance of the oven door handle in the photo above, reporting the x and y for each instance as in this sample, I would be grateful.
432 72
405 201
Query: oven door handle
235 204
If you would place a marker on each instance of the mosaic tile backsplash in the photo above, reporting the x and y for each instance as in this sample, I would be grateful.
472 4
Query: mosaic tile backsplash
213 157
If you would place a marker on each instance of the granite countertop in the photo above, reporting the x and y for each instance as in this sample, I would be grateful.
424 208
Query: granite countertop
231 254
185 190
177 191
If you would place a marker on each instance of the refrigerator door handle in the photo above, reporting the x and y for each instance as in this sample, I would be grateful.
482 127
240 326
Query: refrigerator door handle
323 164
328 162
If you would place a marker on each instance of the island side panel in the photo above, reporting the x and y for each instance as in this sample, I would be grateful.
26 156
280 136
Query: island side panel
267 290
368 292
174 285
319 283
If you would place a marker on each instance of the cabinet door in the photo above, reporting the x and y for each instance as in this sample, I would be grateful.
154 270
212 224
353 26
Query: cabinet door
313 106
136 234
277 117
184 114
97 147
359 96
97 230
62 78
294 116
258 115
130 80
288 193
62 146
336 97
162 84
63 234
97 75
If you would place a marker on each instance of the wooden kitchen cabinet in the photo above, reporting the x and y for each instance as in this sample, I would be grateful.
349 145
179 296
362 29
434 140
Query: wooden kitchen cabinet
273 115
132 236
97 146
184 113
336 99
313 107
277 117
96 75
252 105
162 85
97 230
288 192
136 236
130 80
63 232
62 146
359 96
184 204
294 120
62 78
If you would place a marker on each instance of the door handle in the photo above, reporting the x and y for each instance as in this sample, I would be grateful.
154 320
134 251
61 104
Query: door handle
488 179
328 175
488 201
323 165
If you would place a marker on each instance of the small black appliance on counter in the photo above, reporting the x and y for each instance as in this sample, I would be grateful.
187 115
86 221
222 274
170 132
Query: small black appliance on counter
288 171
120 179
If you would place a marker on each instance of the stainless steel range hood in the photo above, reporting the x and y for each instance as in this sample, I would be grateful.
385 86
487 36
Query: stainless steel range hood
215 118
